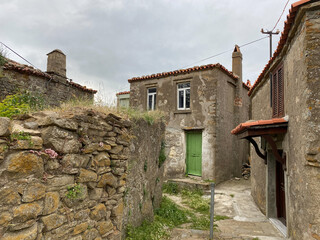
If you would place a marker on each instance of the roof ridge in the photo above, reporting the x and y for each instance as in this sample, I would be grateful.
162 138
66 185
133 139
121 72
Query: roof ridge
186 70
27 69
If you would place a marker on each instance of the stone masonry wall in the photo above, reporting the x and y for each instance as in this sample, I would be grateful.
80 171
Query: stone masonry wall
145 173
63 175
54 92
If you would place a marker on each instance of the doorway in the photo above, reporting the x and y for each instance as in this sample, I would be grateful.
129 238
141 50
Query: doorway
280 193
194 153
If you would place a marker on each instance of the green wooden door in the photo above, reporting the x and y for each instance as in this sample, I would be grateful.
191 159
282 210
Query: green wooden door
194 153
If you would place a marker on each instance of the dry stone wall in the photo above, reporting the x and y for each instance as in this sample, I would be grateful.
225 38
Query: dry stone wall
64 176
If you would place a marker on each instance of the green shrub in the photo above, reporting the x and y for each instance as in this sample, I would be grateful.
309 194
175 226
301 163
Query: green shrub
20 103
170 188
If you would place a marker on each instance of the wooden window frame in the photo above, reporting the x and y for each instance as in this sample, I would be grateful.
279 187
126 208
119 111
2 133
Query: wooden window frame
278 92
153 96
184 91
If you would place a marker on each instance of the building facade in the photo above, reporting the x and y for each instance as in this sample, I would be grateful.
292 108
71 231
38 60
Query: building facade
286 141
53 85
202 105
123 99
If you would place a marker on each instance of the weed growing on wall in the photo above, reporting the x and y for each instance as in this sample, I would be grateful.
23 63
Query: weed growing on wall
170 188
20 103
20 136
162 155
74 192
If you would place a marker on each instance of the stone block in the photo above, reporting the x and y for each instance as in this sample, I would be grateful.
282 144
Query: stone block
26 234
108 179
87 176
4 126
102 160
63 123
118 210
75 160
90 234
53 221
34 191
24 163
51 202
5 218
105 227
60 140
27 211
15 127
34 143
116 149
80 228
82 214
98 212
9 196
59 181
19 226
96 193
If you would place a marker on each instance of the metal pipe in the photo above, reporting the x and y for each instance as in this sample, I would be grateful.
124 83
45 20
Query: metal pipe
212 211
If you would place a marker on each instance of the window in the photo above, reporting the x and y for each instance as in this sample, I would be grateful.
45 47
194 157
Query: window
151 99
183 96
277 93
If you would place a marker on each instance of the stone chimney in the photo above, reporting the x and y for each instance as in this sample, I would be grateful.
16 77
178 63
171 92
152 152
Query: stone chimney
237 62
57 63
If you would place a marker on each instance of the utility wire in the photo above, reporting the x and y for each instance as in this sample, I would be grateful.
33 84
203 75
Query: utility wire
225 52
280 16
19 55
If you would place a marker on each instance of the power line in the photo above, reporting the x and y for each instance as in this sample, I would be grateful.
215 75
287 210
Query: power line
19 55
243 45
280 16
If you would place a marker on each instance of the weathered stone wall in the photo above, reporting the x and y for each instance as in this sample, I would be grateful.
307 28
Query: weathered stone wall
204 115
53 91
145 173
67 179
301 142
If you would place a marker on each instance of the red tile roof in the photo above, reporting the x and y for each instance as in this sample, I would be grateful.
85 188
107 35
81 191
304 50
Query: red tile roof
183 71
26 69
123 93
243 126
283 39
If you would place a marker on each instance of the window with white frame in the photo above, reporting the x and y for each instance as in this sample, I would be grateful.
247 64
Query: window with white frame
183 96
151 98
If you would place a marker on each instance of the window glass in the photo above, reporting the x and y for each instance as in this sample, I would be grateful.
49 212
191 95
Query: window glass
152 90
181 99
187 98
183 85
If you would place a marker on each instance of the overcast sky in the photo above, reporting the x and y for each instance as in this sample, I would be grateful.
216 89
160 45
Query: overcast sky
109 41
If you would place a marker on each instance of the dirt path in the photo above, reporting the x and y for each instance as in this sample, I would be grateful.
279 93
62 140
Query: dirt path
232 199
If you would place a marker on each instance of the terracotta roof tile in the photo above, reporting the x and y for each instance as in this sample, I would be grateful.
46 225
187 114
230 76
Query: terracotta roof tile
187 70
123 93
243 126
283 39
26 69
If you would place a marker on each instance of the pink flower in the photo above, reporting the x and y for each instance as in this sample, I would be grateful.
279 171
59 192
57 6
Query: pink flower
101 144
51 153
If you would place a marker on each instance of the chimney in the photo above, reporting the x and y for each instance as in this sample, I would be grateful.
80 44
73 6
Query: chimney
57 63
237 62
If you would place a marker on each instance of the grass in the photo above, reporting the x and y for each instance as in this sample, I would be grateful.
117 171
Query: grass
169 215
170 188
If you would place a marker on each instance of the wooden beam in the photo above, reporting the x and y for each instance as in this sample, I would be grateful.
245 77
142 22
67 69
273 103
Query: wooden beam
256 147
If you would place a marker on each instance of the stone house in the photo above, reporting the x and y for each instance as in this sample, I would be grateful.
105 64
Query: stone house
202 104
123 99
53 85
286 142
